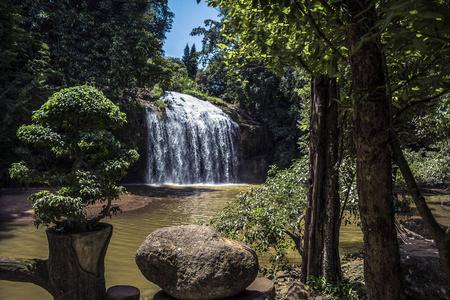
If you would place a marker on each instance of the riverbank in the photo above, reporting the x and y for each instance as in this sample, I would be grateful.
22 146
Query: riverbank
15 206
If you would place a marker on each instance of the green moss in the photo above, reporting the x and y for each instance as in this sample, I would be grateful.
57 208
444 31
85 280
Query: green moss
206 97
157 92
161 105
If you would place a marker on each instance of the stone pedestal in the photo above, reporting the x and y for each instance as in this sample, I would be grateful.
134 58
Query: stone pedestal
260 289
123 292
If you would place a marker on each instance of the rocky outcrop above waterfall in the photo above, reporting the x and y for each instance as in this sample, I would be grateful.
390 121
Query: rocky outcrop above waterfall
256 149
195 262
256 145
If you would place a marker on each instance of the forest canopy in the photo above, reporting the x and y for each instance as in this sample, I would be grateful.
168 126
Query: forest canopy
115 46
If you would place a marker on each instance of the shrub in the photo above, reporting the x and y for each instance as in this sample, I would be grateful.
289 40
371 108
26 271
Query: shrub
74 123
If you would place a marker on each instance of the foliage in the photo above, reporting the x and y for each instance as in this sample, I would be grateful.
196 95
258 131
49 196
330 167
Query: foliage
412 36
430 166
270 217
212 35
161 107
263 216
311 35
280 104
335 290
174 76
206 97
24 75
74 123
157 92
46 45
217 83
279 33
110 43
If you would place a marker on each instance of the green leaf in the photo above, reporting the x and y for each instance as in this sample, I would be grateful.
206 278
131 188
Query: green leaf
280 70
431 15
420 45
387 21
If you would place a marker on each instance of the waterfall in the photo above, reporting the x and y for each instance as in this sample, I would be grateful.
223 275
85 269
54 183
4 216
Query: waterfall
195 143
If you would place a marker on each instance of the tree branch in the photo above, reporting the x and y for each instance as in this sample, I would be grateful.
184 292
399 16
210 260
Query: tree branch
347 196
319 32
435 229
327 6
296 238
26 270
411 104
440 234
304 65
415 76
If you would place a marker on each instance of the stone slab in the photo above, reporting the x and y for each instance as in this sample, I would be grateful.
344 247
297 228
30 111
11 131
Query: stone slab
260 289
123 292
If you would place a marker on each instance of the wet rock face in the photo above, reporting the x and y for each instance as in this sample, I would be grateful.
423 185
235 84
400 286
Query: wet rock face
195 262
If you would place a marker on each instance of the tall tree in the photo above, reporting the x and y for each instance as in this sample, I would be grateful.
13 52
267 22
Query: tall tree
373 156
186 55
321 242
193 62
190 59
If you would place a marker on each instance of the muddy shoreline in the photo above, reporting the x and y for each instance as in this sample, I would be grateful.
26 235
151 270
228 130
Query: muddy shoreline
15 206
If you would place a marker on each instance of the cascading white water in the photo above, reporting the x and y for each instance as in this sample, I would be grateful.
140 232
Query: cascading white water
195 143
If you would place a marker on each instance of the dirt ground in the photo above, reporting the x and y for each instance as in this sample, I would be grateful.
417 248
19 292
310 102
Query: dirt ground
15 206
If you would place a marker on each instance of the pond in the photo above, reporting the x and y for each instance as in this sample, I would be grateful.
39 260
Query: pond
175 205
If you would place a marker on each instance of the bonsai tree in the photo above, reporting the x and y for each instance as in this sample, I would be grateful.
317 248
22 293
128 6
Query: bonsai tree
74 123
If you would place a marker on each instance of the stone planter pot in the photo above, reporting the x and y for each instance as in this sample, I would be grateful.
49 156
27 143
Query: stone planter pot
75 264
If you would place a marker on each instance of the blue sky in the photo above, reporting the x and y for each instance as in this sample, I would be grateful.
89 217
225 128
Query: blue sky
188 15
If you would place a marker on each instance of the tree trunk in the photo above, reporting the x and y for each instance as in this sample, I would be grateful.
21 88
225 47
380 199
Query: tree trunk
382 270
440 234
321 244
75 267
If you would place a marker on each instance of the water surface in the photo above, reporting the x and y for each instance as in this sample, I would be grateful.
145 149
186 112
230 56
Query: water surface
175 205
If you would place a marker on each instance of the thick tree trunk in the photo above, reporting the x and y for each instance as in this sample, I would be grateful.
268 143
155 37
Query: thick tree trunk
75 267
321 244
373 157
440 234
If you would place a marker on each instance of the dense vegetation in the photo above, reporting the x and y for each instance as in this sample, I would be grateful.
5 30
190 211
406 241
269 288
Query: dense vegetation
115 46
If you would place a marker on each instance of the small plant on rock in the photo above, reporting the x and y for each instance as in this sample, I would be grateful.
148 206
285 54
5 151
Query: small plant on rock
74 124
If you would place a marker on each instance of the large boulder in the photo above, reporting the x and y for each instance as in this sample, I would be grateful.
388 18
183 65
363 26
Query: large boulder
195 262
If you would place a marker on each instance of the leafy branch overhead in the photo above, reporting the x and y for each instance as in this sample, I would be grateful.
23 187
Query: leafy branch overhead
412 35
74 123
